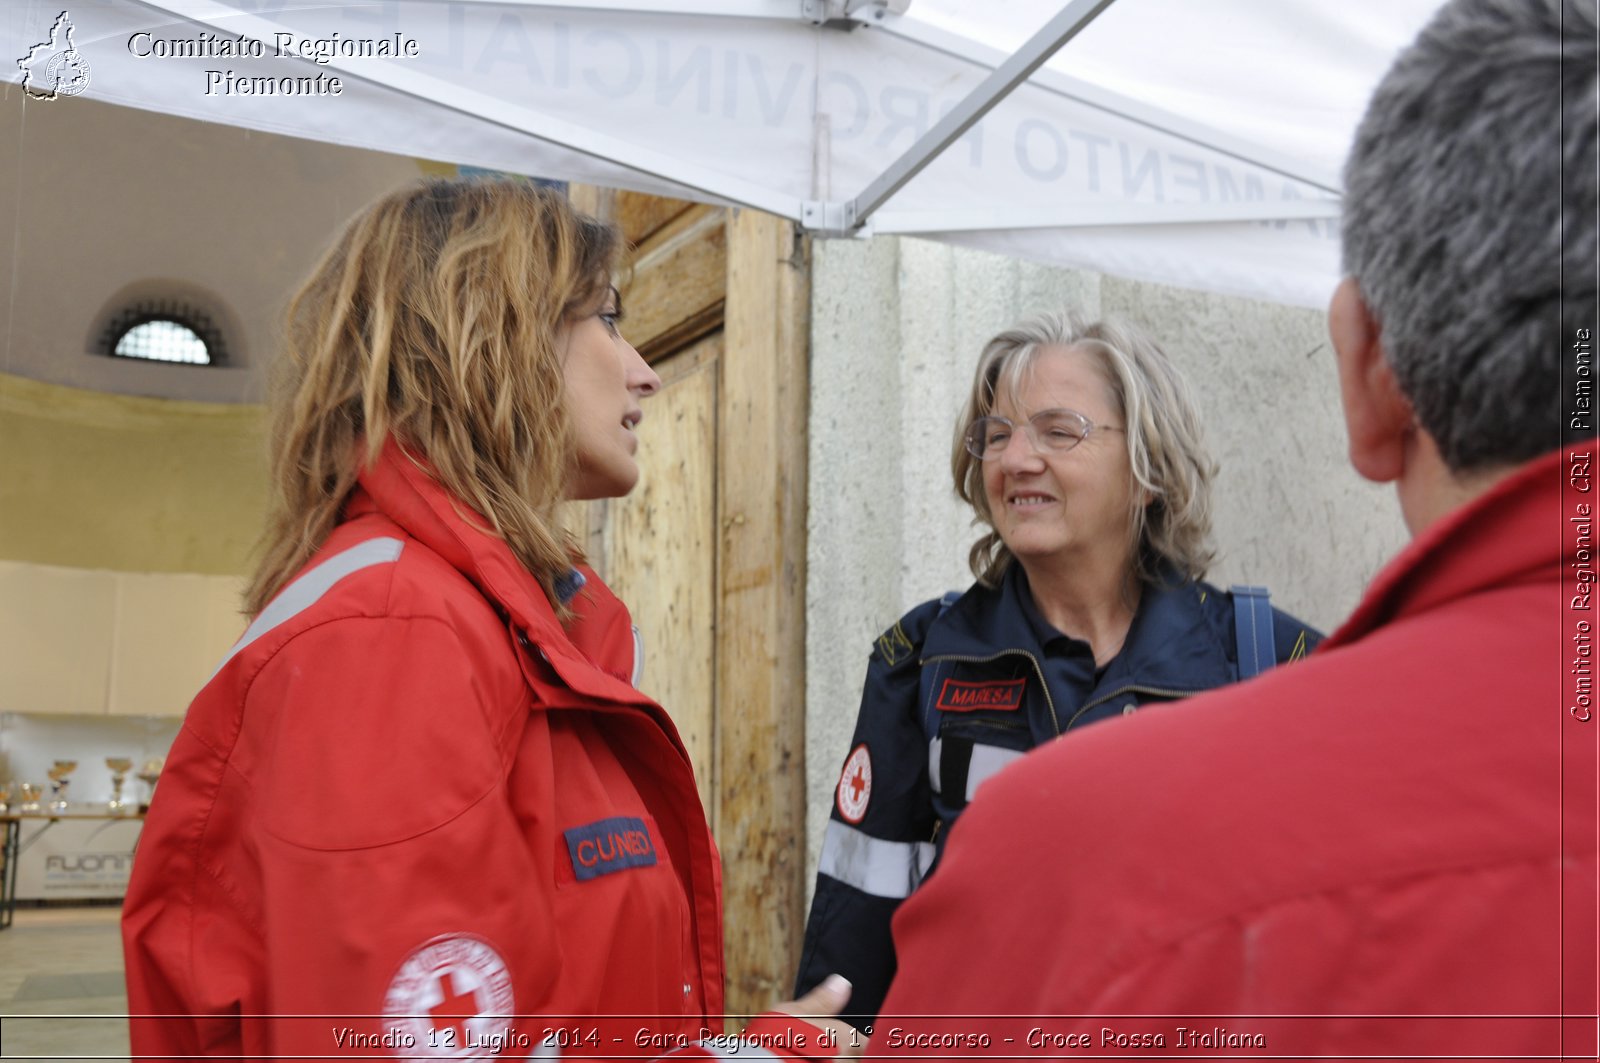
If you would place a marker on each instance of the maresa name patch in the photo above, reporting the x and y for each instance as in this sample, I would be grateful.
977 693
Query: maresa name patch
957 696
608 845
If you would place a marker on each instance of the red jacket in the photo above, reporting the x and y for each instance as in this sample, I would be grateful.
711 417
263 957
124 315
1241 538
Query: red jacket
410 801
1401 826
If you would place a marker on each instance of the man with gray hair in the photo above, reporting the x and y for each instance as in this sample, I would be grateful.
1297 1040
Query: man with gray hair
1389 849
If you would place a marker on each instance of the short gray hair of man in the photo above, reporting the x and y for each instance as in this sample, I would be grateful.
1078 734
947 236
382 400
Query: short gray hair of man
1167 454
1469 220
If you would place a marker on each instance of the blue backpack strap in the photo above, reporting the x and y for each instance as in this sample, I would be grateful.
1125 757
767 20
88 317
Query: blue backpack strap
1252 629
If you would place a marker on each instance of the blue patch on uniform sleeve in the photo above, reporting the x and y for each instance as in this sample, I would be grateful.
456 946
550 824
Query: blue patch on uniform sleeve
608 845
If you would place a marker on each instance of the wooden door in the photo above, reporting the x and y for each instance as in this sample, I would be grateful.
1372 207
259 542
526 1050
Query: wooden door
709 551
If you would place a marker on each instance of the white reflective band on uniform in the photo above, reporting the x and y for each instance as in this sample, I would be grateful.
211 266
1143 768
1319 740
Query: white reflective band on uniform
986 760
873 865
304 592
935 754
638 656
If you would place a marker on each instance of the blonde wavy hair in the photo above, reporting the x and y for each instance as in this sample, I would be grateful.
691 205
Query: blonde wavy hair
1167 455
435 320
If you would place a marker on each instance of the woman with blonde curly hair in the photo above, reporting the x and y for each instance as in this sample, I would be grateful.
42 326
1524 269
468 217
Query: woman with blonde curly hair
1080 453
421 800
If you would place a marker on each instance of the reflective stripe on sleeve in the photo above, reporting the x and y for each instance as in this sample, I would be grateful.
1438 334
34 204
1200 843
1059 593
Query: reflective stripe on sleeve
873 865
935 767
303 593
986 760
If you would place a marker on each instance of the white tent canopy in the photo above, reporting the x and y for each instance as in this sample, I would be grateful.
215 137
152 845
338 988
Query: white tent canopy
1195 144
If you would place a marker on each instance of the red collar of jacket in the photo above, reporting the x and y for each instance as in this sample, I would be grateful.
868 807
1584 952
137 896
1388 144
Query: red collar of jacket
593 655
1513 533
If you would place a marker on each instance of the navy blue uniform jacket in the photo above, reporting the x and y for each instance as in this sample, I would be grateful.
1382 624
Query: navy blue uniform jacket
952 696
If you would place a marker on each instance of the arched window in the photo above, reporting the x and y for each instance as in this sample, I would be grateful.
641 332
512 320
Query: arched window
164 331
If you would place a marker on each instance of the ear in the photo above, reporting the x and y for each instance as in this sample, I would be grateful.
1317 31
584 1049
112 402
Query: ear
1377 415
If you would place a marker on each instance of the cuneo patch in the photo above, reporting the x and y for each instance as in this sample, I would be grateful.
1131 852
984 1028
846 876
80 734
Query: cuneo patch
997 694
609 845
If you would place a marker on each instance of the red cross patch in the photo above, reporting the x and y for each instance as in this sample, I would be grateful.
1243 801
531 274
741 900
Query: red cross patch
451 995
855 785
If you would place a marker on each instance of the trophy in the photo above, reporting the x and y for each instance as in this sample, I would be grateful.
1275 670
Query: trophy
120 766
58 783
148 774
30 797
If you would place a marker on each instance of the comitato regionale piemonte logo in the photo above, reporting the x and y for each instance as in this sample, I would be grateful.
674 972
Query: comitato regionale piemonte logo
54 68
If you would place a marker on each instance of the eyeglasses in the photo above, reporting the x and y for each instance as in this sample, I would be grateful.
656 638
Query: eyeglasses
1050 432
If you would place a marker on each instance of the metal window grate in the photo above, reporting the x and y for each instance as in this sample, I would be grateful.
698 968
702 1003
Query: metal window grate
163 341
164 331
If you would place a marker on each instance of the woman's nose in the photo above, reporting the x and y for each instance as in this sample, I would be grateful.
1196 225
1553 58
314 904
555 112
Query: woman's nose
1020 454
642 380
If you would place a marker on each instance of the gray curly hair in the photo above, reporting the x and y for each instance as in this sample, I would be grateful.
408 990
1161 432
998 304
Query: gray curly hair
1166 448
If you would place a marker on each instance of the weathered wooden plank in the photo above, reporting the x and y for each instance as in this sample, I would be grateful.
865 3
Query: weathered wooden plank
639 215
683 333
761 637
661 545
675 289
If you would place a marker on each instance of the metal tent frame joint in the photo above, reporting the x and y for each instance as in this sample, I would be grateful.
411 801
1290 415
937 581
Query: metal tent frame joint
848 14
833 217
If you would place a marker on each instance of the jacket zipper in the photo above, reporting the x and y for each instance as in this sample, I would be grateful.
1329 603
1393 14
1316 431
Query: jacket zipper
1037 670
1102 699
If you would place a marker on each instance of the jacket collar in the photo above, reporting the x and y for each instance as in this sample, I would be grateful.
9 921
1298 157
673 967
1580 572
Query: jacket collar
1172 645
1513 533
400 486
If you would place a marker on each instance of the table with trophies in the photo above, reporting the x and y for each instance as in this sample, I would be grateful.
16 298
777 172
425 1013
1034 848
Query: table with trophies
25 805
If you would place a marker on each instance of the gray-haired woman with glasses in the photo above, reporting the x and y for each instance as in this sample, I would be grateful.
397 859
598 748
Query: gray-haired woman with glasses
1080 452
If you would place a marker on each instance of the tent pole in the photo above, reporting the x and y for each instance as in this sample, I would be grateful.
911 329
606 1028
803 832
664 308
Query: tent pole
1099 215
1068 23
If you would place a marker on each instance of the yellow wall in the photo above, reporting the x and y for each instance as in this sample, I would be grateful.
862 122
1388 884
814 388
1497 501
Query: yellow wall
90 642
94 480
126 523
126 526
